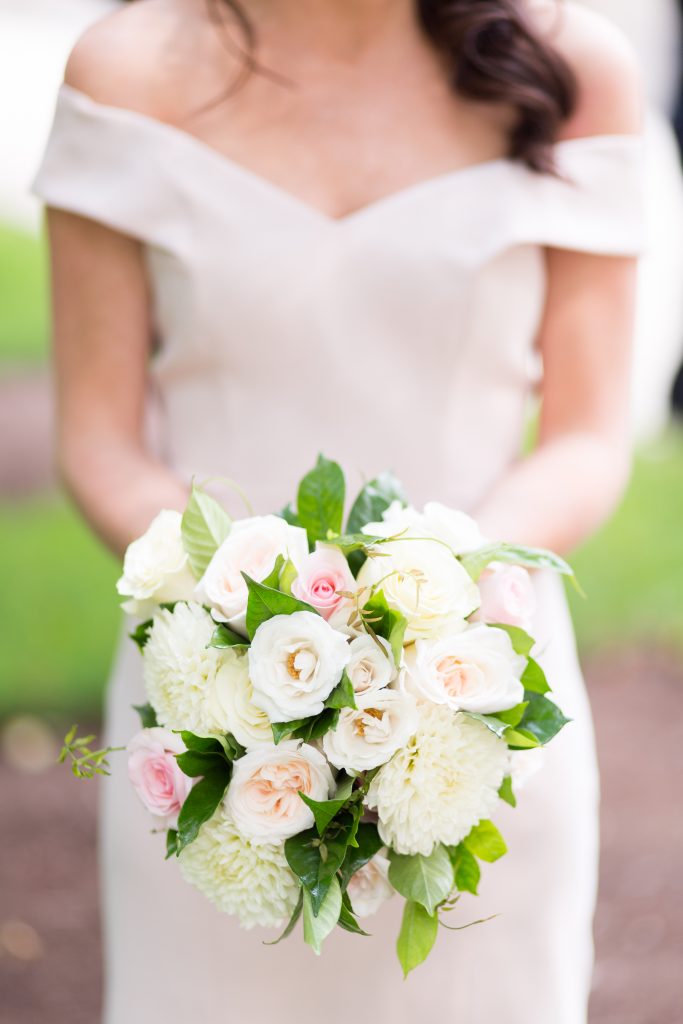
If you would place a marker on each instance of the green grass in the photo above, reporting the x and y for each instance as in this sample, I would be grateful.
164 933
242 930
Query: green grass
23 297
632 570
58 610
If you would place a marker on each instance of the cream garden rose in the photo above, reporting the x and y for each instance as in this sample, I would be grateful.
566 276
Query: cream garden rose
232 702
369 735
252 547
369 888
456 529
422 579
263 796
371 664
156 568
473 670
295 661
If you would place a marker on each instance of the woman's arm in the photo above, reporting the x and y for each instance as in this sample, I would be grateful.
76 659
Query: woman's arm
570 484
101 342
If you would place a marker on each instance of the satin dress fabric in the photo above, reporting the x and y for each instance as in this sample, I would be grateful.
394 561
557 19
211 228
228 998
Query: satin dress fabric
401 336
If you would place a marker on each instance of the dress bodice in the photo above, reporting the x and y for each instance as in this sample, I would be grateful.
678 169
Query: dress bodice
399 336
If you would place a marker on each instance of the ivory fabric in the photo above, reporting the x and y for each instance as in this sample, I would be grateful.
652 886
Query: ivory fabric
400 336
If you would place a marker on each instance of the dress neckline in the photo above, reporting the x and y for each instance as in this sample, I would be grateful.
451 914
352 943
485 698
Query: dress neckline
266 186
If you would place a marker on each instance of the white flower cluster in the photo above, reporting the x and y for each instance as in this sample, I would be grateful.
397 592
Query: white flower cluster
438 770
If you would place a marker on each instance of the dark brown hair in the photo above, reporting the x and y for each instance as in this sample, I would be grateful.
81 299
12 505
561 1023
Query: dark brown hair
496 56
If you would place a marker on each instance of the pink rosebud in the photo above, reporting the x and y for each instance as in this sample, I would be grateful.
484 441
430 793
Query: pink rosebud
156 775
507 596
322 577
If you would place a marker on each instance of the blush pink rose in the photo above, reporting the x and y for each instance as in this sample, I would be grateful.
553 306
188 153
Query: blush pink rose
507 596
156 775
322 575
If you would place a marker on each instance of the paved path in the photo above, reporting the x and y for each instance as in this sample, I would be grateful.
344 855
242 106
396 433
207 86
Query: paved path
49 944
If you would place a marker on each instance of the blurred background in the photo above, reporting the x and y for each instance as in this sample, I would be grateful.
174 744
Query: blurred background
59 620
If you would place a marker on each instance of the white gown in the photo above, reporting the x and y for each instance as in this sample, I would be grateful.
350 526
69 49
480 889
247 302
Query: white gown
397 337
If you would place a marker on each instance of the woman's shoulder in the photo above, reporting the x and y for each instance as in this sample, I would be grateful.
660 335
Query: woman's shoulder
149 57
610 100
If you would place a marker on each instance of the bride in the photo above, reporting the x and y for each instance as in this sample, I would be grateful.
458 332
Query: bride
350 226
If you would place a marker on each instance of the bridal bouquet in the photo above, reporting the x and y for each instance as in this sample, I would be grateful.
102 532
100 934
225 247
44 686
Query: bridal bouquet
333 714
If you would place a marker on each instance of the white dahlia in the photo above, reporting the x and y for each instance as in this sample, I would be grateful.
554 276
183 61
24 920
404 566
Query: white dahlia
441 784
179 670
253 882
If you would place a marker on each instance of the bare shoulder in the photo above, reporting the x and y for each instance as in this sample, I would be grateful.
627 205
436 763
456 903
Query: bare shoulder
610 100
147 57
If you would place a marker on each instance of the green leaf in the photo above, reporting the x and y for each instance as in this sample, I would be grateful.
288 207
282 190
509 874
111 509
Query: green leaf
302 853
513 554
287 577
343 695
320 501
291 924
318 926
417 936
347 920
200 805
196 764
465 869
424 880
272 580
486 842
148 716
203 744
306 729
232 748
344 786
171 843
289 515
514 716
369 843
506 792
265 602
492 722
205 525
542 718
533 678
323 810
387 623
522 643
353 543
223 637
374 499
141 634
521 739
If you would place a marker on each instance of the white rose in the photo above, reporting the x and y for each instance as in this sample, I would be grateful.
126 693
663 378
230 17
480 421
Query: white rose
422 579
456 529
232 702
369 888
252 546
295 661
371 666
263 796
155 567
369 735
474 670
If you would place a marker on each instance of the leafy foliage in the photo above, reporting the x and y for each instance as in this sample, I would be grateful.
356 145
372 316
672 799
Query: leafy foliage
424 880
265 602
465 869
486 842
320 501
140 634
514 554
147 714
384 621
417 936
208 758
224 637
205 525
315 727
506 792
85 763
319 923
373 500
